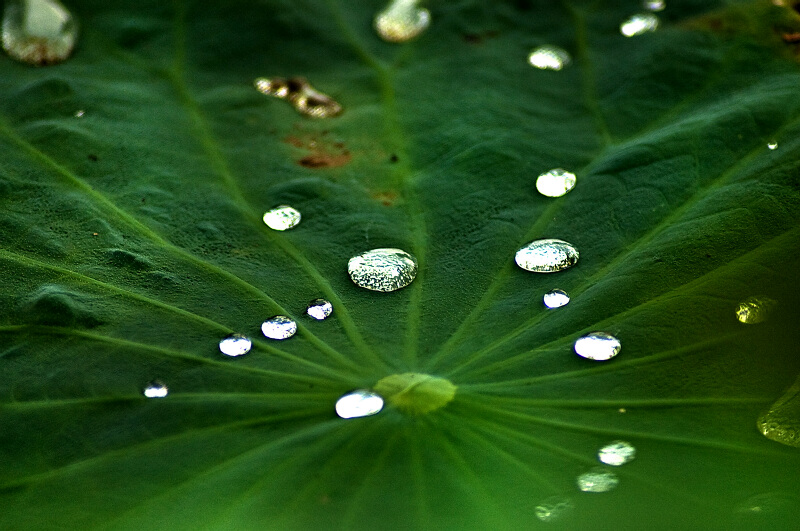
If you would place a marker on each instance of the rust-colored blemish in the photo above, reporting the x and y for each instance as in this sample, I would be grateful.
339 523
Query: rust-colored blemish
322 152
386 197
791 38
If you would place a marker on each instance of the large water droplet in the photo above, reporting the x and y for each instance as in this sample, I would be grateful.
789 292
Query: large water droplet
755 310
304 98
549 58
39 32
555 182
282 217
402 20
360 403
547 256
639 24
597 346
781 422
319 309
279 327
616 453
382 269
235 345
597 480
414 393
553 508
654 5
155 389
556 298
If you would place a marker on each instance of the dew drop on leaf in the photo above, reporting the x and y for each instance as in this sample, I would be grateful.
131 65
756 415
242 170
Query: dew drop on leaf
553 508
555 298
415 393
654 5
754 310
598 346
282 217
549 57
555 182
155 389
38 32
402 20
382 269
319 309
781 423
772 146
79 113
279 327
547 256
301 95
360 403
235 345
639 24
597 480
616 453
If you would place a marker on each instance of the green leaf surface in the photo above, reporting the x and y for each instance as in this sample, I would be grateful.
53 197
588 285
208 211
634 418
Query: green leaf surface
131 242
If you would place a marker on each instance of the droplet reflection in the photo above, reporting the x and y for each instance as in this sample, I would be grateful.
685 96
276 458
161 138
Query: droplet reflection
639 24
235 345
556 182
755 310
598 346
282 218
360 403
555 298
382 269
38 32
549 58
597 480
553 508
402 20
319 309
301 95
279 327
616 453
547 256
155 389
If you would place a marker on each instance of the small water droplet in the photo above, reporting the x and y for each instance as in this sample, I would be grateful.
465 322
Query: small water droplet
319 309
616 453
754 310
38 32
556 182
360 403
155 389
279 327
79 113
282 217
639 24
654 5
556 298
549 57
547 256
772 145
553 508
597 480
597 346
304 98
382 269
235 345
402 20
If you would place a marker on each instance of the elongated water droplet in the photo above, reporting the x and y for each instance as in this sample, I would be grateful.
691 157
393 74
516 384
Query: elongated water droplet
304 98
360 403
639 24
781 422
402 20
755 310
155 389
655 5
382 269
772 145
555 182
556 298
38 32
282 217
616 453
415 393
553 508
597 480
549 57
279 327
319 309
547 256
597 346
235 345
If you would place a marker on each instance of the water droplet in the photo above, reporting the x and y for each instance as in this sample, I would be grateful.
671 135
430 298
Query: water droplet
360 403
772 145
781 423
639 24
549 57
282 217
38 32
553 508
279 327
319 309
79 113
597 346
382 269
235 345
556 298
616 453
547 256
304 98
597 480
155 389
402 20
755 310
414 393
655 5
555 183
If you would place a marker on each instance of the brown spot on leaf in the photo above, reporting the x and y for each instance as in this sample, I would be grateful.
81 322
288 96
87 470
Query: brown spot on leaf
386 197
321 152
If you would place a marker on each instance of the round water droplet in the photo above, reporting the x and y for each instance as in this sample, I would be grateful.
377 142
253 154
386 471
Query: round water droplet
39 32
235 345
556 298
553 508
282 217
155 389
402 20
415 393
597 346
639 24
382 269
754 310
654 5
549 58
360 403
616 453
279 327
556 182
772 145
547 256
597 480
319 309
